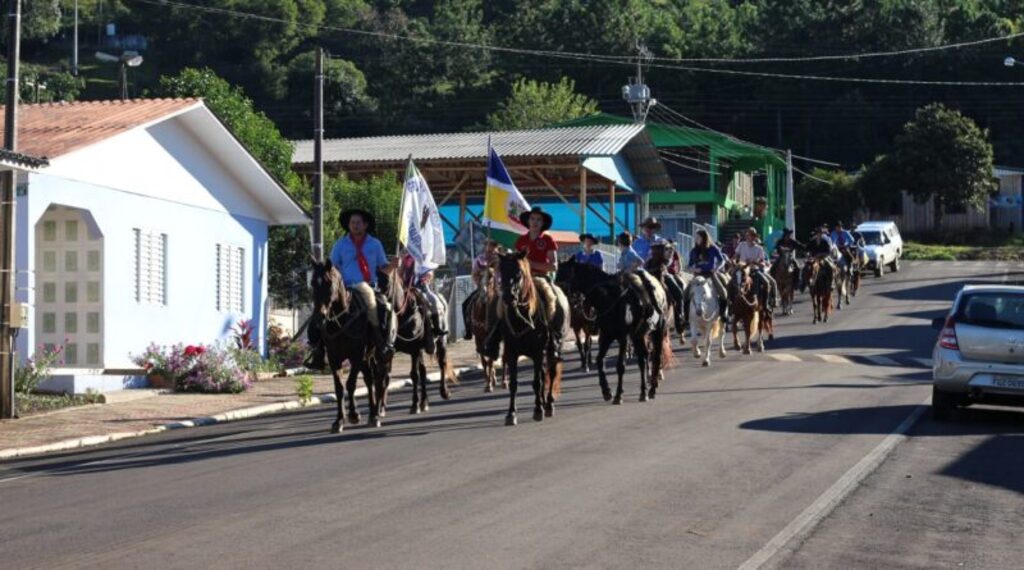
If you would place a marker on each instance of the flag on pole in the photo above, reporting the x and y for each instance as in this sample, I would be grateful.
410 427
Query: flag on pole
419 229
503 203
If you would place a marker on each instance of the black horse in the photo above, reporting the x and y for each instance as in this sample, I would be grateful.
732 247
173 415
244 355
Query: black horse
415 336
623 316
343 331
527 331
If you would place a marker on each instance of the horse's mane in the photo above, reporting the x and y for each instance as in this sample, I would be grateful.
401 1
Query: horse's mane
334 281
528 290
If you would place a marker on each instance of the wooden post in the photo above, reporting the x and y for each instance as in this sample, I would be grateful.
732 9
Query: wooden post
583 199
611 208
462 209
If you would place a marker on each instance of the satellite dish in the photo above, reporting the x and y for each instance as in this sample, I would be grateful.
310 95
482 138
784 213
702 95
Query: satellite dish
107 57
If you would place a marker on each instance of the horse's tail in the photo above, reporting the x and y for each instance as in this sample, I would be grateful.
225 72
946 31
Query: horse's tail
668 358
556 379
447 370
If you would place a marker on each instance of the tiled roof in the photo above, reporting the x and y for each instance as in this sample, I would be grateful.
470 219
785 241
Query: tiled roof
602 140
52 129
22 159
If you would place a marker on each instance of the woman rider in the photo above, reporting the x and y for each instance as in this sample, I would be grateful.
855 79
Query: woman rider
706 260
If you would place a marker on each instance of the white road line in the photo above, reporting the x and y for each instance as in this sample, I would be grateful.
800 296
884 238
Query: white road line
926 362
834 359
805 522
784 357
881 360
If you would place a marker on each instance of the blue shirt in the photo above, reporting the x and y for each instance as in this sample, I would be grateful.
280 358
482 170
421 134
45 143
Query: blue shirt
642 246
343 256
630 260
595 259
706 260
842 239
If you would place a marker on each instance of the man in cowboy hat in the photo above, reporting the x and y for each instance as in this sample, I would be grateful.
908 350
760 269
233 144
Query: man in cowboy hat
642 244
793 245
541 249
488 258
588 255
750 252
359 256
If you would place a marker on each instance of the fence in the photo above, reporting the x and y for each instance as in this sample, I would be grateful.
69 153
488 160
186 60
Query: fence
611 254
455 290
684 243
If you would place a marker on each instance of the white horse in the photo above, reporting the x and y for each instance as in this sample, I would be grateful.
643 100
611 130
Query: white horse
705 319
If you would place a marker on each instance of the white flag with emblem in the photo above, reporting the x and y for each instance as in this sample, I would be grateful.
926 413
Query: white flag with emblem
420 231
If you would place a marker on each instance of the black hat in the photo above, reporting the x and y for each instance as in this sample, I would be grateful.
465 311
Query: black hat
524 218
346 215
787 231
585 237
651 222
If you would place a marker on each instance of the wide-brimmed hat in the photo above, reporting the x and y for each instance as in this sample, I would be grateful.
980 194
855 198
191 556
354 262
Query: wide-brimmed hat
787 231
751 230
346 215
651 222
524 218
585 237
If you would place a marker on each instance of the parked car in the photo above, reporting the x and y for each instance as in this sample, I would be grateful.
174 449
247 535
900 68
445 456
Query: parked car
883 246
979 355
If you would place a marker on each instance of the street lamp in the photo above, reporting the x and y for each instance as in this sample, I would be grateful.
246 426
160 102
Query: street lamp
1010 61
126 60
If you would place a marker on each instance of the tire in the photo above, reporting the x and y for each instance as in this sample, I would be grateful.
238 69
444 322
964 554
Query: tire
943 404
895 265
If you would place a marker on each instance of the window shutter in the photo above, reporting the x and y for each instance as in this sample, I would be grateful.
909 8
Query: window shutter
230 282
150 267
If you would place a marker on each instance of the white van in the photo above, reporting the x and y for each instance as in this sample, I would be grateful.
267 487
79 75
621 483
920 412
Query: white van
883 246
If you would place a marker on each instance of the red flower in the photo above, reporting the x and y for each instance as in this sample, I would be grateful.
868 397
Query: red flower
190 350
200 350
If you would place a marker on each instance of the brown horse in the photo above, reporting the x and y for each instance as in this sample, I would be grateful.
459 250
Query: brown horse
748 309
343 331
531 324
480 314
820 279
583 322
785 278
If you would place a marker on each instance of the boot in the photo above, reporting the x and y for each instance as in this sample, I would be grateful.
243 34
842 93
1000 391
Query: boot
316 360
686 312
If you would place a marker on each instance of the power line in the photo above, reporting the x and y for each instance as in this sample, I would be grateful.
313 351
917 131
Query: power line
621 60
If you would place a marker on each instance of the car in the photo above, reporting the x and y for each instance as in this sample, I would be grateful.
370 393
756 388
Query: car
979 354
883 246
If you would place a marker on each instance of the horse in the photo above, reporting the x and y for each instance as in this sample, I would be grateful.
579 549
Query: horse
844 281
415 337
343 330
748 308
480 324
531 324
621 318
674 285
819 276
705 319
583 322
785 278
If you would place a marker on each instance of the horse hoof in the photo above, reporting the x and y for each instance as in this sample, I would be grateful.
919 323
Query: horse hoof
414 410
643 396
538 415
511 420
746 351
705 364
760 348
336 427
652 393
377 422
424 407
771 337
354 419
618 400
488 389
446 394
549 411
607 395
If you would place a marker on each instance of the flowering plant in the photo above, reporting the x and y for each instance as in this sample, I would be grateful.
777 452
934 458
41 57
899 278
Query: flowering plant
196 368
28 376
244 335
288 352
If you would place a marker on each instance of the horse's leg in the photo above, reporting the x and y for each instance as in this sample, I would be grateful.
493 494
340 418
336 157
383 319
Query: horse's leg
603 343
579 348
709 340
643 363
424 401
736 332
488 369
588 344
414 376
445 368
721 347
356 365
339 395
762 324
512 369
658 341
620 369
540 384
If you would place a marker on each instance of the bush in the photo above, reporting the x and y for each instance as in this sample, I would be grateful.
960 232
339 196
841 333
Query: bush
36 369
304 388
286 352
197 368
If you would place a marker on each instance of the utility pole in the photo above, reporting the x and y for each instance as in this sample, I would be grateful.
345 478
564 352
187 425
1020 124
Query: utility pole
638 95
74 52
318 156
7 264
790 206
123 80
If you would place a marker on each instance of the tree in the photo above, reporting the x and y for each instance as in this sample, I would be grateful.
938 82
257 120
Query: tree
881 186
534 104
344 88
381 196
817 202
944 156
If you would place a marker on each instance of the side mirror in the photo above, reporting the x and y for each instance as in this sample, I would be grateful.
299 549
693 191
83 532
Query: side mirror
938 323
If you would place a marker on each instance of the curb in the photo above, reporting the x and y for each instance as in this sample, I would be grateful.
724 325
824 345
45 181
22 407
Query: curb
224 417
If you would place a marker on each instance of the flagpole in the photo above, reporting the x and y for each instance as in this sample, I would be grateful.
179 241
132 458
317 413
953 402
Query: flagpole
485 187
401 207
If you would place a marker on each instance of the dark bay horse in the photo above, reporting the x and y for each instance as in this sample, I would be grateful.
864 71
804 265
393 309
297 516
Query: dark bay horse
785 278
530 326
820 279
583 322
622 317
343 330
481 311
415 338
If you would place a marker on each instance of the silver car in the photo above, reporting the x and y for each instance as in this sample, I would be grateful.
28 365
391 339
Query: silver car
979 355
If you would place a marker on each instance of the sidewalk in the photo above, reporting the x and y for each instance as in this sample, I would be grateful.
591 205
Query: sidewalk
101 423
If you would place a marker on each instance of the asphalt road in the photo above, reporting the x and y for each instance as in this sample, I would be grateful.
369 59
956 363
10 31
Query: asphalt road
703 477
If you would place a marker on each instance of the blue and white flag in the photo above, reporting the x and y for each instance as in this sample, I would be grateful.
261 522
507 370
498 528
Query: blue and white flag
420 231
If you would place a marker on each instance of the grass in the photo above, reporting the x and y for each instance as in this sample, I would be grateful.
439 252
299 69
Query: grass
939 252
29 404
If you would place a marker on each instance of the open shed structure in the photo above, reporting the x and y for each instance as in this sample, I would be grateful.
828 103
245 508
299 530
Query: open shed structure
589 168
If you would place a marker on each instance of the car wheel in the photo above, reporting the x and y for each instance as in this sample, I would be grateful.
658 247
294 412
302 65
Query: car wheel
879 268
943 404
895 265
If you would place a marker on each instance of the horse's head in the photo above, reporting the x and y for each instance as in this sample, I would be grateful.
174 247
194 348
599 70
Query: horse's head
516 279
703 296
565 275
326 284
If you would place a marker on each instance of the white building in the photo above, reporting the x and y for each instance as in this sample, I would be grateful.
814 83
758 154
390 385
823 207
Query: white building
148 225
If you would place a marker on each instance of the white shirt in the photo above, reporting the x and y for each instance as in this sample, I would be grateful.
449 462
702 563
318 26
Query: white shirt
750 253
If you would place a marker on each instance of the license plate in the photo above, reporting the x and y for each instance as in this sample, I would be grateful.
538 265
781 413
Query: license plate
1014 382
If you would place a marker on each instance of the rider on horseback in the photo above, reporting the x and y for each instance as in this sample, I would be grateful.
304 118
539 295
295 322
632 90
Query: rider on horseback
844 240
820 247
751 253
706 260
630 262
359 256
589 255
791 244
661 263
642 245
488 258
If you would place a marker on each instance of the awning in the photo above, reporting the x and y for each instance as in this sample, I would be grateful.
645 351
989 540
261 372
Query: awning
613 168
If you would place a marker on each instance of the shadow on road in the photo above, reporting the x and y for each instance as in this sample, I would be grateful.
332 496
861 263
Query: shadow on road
944 291
997 461
905 340
883 419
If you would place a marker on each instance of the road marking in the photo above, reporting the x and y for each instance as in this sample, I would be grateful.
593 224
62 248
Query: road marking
926 362
881 360
784 357
834 359
805 522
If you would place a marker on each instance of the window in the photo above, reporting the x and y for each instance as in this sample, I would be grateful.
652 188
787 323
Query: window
230 267
49 231
71 230
70 323
92 323
71 353
50 323
49 292
71 261
92 292
93 263
50 261
92 353
150 267
71 293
